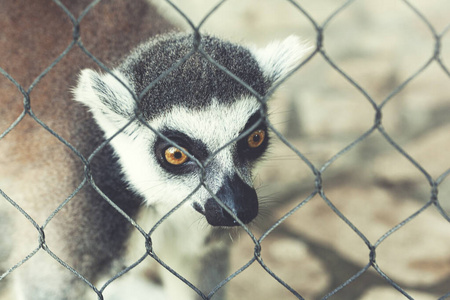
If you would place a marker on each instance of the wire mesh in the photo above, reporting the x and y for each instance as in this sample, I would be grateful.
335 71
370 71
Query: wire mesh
318 171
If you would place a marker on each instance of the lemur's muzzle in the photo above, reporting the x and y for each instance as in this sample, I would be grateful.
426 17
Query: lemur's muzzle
240 198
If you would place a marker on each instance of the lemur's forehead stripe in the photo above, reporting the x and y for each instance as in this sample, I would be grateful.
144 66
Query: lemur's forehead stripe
196 82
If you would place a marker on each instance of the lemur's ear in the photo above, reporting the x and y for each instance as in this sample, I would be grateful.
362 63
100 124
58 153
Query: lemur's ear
109 100
279 58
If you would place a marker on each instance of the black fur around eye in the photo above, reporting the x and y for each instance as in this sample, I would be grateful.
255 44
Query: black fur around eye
172 158
253 145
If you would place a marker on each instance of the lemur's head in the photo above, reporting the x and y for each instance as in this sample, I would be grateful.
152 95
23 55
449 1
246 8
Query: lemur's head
194 125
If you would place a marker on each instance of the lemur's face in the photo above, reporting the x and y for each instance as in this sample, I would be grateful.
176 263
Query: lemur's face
197 133
224 142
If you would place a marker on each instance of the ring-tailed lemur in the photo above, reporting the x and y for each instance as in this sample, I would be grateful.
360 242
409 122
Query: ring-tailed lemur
193 134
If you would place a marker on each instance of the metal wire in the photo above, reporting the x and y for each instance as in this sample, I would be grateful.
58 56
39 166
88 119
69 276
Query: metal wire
317 171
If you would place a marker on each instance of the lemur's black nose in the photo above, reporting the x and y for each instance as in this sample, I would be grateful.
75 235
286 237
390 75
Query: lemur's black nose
239 197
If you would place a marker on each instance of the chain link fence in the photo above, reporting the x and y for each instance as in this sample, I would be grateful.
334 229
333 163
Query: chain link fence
357 186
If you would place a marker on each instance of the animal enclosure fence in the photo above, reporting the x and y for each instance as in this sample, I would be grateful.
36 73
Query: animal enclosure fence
364 270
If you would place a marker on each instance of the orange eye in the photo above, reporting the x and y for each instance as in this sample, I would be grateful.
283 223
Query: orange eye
256 138
175 156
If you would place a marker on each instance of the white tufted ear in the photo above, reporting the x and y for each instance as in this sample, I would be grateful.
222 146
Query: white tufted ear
110 102
279 58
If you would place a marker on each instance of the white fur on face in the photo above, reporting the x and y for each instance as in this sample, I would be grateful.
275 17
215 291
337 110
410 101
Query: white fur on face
215 126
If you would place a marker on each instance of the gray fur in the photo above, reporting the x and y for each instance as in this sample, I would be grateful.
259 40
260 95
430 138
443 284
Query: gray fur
196 81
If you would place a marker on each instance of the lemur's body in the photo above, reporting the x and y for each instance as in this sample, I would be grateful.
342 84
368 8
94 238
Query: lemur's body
197 106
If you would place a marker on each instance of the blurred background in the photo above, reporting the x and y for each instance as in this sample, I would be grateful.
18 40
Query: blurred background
380 45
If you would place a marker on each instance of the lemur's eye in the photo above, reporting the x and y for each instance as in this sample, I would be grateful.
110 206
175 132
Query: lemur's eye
256 138
175 156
